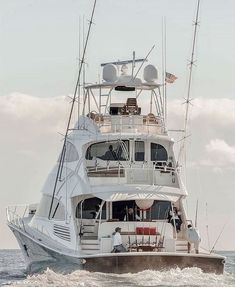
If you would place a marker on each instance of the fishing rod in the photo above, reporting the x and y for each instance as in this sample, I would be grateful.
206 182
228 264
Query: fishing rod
222 230
62 156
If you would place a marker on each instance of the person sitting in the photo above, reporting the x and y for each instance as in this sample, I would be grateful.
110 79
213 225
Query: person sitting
131 215
174 218
117 242
110 154
194 238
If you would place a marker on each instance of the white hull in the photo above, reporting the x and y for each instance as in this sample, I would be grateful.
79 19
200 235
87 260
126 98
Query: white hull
38 257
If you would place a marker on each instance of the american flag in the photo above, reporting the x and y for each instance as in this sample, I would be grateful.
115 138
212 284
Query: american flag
170 78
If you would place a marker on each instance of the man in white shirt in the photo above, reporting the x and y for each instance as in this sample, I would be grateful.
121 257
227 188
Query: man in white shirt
193 237
117 242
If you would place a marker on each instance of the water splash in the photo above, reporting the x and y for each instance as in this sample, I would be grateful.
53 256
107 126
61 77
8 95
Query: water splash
176 277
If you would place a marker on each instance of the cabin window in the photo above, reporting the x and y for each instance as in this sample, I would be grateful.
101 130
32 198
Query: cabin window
113 151
158 152
159 210
120 209
57 211
89 209
139 151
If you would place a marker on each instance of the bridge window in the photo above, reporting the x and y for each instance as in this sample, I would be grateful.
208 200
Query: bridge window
114 151
139 151
158 152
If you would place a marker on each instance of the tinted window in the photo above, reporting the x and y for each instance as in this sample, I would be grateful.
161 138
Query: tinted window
115 150
120 209
159 210
139 151
158 152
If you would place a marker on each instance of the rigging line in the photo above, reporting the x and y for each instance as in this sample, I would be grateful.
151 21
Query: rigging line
62 157
191 63
145 59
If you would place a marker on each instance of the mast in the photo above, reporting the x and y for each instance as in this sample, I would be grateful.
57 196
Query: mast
62 156
188 99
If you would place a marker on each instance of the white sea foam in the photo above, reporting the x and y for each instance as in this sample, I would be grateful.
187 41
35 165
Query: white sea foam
175 277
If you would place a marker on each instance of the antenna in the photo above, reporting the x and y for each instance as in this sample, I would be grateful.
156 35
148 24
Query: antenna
133 64
145 59
120 63
191 64
164 70
62 156
79 56
207 228
196 213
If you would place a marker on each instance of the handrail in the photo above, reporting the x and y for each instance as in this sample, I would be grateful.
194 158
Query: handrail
15 217
96 168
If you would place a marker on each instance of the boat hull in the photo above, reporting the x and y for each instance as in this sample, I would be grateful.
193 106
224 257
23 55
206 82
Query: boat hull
136 262
39 257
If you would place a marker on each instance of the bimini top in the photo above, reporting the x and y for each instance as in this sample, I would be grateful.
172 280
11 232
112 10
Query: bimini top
147 193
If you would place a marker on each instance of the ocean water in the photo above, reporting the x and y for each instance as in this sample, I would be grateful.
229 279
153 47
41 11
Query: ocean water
13 273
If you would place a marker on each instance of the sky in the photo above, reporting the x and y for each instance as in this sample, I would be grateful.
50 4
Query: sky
39 55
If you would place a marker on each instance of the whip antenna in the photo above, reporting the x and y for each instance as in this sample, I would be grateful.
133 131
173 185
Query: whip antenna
191 64
196 213
145 59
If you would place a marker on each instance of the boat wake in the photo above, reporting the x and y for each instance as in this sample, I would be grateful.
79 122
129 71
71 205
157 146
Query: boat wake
174 277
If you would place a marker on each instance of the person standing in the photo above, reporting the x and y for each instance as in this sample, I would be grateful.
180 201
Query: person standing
174 218
193 238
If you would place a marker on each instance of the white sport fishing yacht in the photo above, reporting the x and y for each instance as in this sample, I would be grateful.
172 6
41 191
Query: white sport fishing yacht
117 170
115 158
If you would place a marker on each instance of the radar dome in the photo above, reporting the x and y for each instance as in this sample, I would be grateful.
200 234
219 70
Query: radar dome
110 73
150 73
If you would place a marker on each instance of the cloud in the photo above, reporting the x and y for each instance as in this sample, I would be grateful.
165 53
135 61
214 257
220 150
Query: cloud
219 154
210 111
210 125
25 118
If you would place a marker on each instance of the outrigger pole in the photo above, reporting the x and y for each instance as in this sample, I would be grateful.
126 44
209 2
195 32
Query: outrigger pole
62 157
188 99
